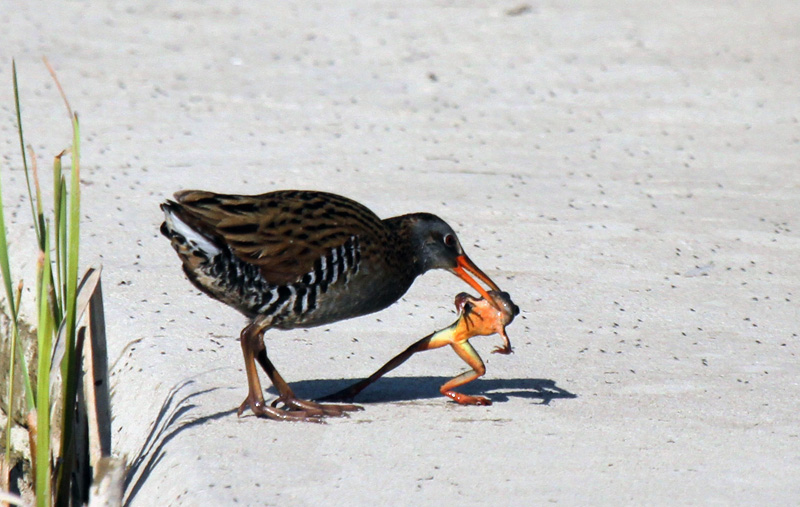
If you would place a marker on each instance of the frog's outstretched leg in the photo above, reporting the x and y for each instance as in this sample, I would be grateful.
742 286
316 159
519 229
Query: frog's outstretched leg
432 341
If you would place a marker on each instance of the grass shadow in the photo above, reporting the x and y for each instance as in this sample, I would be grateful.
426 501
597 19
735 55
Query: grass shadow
171 420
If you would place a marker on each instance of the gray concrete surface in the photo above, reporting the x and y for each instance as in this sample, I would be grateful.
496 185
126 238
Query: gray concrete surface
627 170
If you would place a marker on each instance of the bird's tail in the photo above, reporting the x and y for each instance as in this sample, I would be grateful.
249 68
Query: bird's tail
186 240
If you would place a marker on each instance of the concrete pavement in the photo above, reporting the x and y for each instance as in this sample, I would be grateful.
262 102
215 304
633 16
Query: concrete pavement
627 171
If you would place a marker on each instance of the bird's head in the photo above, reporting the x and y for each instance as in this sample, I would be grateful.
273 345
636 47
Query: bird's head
436 246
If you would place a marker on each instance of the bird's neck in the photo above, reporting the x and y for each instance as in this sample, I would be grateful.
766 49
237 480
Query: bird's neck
405 243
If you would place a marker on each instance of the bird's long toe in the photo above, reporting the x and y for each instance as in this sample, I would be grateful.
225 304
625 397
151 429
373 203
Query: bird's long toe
321 409
260 409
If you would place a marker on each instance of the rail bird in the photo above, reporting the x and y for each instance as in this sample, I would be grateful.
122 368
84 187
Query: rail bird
297 259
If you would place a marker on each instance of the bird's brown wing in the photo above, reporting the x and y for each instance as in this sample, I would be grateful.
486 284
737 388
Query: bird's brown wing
283 232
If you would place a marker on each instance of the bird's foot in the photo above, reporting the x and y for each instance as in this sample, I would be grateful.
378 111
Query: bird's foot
313 408
261 409
465 399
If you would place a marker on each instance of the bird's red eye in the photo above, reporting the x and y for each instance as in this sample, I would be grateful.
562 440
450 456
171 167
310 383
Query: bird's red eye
450 240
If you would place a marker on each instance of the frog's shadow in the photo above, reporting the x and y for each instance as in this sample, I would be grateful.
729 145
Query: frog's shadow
394 389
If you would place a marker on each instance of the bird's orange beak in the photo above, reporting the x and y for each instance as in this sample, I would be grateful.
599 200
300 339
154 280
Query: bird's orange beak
464 264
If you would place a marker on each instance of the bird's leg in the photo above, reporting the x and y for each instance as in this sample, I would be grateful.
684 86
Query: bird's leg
348 393
287 397
466 352
255 400
252 341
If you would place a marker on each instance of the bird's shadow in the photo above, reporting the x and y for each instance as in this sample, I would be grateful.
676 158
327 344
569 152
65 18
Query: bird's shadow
395 389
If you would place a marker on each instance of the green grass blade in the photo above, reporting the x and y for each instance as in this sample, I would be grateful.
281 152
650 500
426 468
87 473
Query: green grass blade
45 344
39 217
23 366
15 352
4 261
60 231
63 245
7 272
73 243
71 354
14 333
22 145
73 231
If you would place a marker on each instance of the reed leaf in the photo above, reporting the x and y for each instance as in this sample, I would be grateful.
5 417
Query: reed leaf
45 344
22 142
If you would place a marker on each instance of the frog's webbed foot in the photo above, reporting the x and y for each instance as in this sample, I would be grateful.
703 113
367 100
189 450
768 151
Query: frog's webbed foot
505 349
466 399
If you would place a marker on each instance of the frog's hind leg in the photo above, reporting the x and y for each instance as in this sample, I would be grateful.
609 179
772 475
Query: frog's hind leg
466 352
